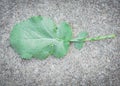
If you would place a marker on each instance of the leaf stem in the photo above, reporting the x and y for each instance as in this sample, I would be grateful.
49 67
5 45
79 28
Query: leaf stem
74 40
100 37
95 38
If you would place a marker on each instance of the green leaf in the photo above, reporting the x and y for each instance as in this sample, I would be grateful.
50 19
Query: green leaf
80 40
39 37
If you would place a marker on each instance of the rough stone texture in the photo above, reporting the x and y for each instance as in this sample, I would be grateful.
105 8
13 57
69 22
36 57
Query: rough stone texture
97 64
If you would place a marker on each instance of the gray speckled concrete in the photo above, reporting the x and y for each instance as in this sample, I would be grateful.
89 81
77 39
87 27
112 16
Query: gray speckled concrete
97 64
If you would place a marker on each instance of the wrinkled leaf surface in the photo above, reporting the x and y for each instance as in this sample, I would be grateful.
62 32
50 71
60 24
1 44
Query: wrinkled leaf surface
39 37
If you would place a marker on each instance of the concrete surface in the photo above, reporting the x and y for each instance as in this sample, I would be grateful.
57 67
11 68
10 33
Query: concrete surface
97 64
